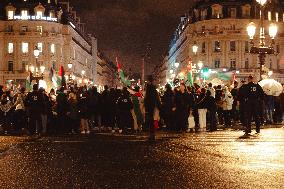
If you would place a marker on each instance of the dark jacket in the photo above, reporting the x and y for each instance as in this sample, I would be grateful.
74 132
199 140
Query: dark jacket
34 103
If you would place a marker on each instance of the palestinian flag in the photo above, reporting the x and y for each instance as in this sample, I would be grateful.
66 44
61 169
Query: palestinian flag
28 83
189 74
61 82
121 74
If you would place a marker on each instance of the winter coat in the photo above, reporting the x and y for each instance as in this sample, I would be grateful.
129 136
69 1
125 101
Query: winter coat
136 100
151 100
281 100
62 104
168 102
73 109
34 103
182 101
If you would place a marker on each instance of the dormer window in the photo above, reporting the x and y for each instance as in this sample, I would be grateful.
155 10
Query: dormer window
10 11
11 15
39 14
233 12
246 10
217 11
24 14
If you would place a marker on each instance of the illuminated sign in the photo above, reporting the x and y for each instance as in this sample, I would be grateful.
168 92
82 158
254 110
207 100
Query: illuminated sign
35 18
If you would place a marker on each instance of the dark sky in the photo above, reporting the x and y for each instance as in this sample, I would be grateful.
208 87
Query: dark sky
124 27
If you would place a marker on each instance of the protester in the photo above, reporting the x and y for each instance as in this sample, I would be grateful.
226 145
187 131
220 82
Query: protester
168 105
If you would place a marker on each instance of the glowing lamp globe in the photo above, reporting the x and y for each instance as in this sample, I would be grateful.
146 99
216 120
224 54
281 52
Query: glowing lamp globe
251 28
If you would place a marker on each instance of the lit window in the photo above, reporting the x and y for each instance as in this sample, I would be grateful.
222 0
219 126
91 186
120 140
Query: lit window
25 47
40 46
233 63
39 29
277 17
269 15
217 46
10 15
52 48
52 14
10 48
39 14
24 14
217 63
24 28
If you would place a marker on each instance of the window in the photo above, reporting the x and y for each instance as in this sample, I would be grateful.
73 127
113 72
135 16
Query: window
10 28
52 14
203 29
24 14
52 48
24 65
39 14
10 48
39 29
10 66
246 11
233 63
269 16
203 49
11 15
217 63
25 47
277 17
246 46
232 45
217 11
233 12
217 46
247 64
24 28
40 46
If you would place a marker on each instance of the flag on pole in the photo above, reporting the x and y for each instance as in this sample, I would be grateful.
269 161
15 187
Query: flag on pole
61 77
189 74
28 83
121 74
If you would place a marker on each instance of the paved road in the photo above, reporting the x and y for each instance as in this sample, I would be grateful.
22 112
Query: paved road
205 160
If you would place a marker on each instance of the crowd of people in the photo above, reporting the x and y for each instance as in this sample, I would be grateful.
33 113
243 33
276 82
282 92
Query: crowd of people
82 110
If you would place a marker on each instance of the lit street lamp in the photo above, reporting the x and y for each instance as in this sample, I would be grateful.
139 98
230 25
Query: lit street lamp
194 48
262 50
70 77
176 64
34 70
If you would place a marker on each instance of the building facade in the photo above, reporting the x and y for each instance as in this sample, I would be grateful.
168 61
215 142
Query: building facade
219 30
53 27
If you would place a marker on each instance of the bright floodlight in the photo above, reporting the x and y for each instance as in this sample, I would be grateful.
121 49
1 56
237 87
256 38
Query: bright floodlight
262 2
32 68
83 72
194 48
36 52
70 65
42 68
273 29
251 30
176 64
200 64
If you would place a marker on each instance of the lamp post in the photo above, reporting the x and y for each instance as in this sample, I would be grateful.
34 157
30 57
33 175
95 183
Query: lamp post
34 70
70 77
262 50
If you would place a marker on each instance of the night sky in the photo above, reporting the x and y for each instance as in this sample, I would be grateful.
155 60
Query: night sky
124 27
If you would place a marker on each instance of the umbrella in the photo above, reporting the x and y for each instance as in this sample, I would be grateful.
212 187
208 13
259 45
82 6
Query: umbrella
271 87
216 82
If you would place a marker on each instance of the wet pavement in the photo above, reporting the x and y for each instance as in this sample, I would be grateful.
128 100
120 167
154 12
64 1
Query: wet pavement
204 160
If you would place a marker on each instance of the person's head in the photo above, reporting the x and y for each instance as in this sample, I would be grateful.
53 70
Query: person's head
210 85
182 87
203 90
52 91
72 96
137 89
208 93
95 89
125 91
168 87
22 90
41 90
35 87
236 84
250 79
106 87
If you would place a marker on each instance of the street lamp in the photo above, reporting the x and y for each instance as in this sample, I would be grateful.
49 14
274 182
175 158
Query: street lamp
262 50
70 78
34 70
176 64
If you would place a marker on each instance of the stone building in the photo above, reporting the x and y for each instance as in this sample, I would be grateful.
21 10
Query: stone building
219 30
52 26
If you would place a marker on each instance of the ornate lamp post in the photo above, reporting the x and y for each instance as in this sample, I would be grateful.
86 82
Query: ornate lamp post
34 70
262 50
